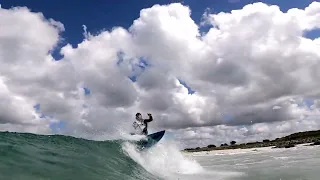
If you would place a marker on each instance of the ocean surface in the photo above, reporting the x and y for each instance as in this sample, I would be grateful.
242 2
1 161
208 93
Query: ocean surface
38 157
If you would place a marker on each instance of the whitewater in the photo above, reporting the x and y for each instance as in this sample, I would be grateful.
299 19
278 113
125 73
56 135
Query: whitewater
29 156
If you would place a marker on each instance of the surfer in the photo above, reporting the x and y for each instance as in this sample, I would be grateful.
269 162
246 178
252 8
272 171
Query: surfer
141 123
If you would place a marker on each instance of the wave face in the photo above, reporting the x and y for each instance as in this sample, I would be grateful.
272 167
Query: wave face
34 157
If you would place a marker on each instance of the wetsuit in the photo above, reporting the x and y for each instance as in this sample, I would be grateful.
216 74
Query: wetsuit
143 122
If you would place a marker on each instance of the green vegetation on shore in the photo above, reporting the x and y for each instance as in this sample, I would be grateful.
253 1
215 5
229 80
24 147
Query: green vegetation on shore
284 142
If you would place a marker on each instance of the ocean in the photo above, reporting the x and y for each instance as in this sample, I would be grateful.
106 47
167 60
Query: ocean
41 157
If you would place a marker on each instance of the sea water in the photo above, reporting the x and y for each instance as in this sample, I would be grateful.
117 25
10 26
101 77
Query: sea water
37 157
298 163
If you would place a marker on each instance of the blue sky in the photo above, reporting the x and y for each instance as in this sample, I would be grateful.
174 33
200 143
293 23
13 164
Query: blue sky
105 14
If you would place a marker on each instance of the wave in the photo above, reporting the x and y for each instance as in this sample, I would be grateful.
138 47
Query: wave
30 156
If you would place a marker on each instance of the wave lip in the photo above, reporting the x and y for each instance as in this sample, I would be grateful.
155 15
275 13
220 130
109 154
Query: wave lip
166 161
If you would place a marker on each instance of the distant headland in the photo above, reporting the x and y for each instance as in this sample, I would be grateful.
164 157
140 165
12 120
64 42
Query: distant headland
289 141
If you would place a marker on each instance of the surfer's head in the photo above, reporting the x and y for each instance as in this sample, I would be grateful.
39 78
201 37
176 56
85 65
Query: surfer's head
138 116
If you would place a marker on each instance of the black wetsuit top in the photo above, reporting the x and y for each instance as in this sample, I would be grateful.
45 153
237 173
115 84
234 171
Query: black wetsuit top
145 122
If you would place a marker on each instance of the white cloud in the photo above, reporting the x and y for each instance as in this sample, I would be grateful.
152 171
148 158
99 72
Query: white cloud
253 65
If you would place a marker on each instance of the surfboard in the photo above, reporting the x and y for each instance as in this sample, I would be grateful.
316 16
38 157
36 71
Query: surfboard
152 139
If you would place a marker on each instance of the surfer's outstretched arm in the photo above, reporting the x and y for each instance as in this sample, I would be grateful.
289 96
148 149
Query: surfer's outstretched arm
148 120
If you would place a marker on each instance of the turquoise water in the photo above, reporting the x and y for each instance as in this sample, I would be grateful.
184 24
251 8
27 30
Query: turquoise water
39 157
28 156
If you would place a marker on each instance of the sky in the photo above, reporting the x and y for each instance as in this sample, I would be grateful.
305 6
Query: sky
209 72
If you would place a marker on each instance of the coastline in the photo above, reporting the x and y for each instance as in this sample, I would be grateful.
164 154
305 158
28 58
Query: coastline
239 151
307 138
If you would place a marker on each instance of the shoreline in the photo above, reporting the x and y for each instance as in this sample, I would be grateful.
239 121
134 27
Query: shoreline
240 151
308 138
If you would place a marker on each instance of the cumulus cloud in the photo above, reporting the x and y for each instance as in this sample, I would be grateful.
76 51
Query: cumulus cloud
251 73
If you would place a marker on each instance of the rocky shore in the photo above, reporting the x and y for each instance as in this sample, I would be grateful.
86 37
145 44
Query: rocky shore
308 137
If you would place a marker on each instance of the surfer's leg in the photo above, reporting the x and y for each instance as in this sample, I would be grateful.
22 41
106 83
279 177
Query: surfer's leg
145 131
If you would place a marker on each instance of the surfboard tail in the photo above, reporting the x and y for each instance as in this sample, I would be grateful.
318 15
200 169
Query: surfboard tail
152 139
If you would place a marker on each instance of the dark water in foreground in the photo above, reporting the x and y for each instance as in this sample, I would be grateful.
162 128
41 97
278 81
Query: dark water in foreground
38 157
29 156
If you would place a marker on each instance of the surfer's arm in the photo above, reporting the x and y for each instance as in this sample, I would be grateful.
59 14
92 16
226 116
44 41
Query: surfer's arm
148 120
135 125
